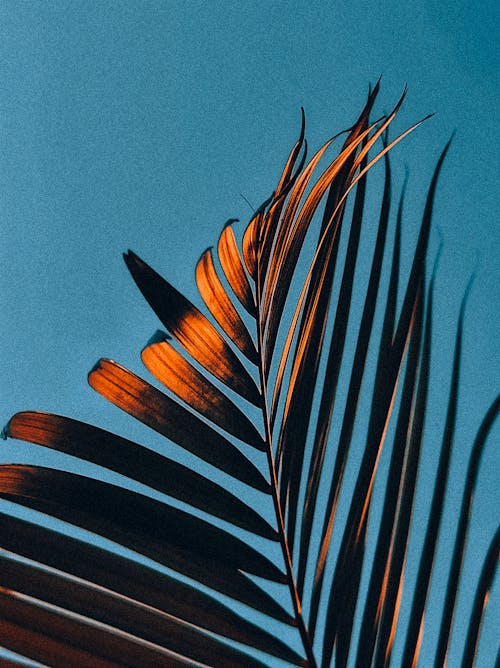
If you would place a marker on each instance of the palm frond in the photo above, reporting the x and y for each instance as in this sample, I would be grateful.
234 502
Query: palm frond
255 387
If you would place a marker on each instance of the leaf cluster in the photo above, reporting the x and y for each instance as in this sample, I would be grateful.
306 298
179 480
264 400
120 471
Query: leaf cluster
290 395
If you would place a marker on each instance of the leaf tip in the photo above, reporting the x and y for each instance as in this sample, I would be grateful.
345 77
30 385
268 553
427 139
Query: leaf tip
208 251
158 337
302 124
5 433
132 260
96 367
9 430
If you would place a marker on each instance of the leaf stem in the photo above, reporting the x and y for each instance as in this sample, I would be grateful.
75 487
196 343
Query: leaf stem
292 585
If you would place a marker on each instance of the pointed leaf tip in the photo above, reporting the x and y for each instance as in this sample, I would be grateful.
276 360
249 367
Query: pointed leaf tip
131 258
302 124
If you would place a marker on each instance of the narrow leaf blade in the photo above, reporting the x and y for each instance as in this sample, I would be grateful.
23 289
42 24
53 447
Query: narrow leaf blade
137 462
133 580
163 533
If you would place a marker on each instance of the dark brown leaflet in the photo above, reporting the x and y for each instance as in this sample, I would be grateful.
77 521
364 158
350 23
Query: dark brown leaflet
408 429
356 377
386 379
278 285
329 386
352 544
459 548
138 463
134 522
281 239
134 580
271 225
393 582
120 613
412 646
163 533
59 640
298 404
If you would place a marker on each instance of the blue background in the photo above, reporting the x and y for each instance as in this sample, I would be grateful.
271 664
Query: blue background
140 124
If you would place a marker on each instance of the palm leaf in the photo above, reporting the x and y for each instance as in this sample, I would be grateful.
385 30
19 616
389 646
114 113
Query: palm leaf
253 387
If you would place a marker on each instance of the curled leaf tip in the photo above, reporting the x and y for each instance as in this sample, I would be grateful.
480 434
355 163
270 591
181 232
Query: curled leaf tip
158 337
5 433
97 366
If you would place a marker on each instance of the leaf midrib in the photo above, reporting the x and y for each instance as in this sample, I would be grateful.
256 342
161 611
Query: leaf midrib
292 586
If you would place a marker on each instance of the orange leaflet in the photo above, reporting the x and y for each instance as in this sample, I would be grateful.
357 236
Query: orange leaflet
221 307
